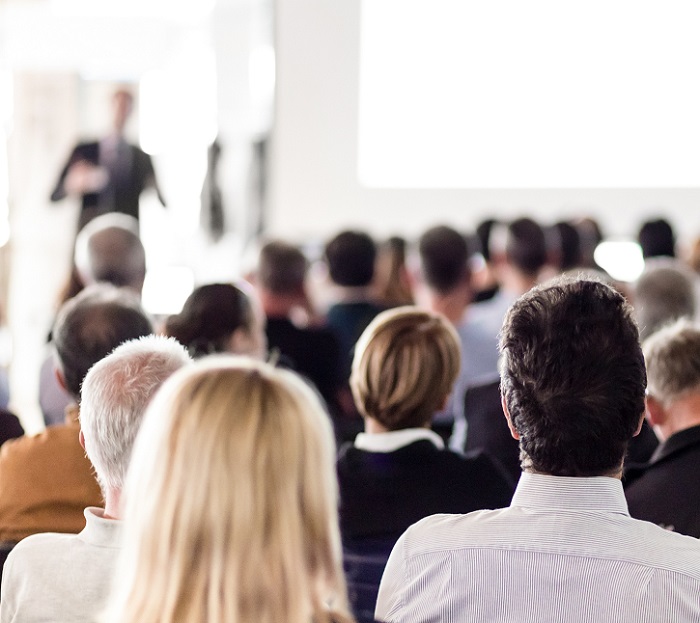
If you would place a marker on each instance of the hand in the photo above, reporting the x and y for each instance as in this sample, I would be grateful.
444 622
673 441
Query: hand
84 177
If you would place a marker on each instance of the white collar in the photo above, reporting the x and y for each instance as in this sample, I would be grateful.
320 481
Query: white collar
395 439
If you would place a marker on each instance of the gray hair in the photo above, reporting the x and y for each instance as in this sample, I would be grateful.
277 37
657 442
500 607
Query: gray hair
664 292
115 394
108 249
672 356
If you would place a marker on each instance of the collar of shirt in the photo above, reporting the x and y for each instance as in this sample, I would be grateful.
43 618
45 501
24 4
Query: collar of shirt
567 493
395 439
99 530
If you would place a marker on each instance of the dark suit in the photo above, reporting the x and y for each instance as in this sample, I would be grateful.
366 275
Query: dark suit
383 493
130 173
667 489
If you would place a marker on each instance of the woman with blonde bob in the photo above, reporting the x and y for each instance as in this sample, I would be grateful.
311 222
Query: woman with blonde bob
230 504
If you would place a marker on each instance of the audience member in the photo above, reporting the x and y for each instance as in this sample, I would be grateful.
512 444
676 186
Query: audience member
666 490
485 282
37 585
219 318
230 503
443 285
350 257
570 256
664 292
573 383
313 351
46 480
656 238
392 284
107 250
398 470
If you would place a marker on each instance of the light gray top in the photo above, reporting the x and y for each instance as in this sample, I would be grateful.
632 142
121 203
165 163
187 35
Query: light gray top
61 577
565 550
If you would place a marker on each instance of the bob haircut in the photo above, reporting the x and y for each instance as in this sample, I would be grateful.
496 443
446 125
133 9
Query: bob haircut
230 503
405 365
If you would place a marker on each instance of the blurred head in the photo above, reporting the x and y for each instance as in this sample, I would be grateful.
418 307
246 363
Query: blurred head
672 357
90 326
122 105
108 249
657 239
350 257
572 377
525 246
281 268
219 318
231 498
114 397
569 245
664 292
444 258
405 365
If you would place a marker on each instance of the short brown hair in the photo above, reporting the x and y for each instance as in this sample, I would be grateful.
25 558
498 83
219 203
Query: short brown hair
281 267
405 365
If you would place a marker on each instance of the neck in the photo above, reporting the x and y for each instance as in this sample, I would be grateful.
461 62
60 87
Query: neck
681 414
451 305
112 500
512 280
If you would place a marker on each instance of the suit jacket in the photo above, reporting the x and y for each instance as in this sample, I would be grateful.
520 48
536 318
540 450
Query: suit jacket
127 180
666 490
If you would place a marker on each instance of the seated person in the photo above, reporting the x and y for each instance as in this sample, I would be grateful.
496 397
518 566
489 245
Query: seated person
116 391
398 471
350 257
312 351
219 318
46 481
230 510
666 489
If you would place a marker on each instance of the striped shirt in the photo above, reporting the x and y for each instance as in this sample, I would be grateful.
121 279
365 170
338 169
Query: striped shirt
565 550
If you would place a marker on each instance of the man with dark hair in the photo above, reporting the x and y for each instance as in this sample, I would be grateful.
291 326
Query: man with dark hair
443 285
656 238
350 258
573 383
313 351
46 481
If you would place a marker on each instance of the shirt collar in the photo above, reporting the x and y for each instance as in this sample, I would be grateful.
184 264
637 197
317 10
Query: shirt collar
100 530
395 439
568 493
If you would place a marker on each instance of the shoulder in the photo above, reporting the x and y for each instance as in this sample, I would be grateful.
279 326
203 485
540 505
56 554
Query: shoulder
37 551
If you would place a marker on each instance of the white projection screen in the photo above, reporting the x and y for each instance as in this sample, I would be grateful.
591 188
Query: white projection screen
529 94
395 115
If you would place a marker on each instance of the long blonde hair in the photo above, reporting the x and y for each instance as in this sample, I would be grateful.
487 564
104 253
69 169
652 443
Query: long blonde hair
230 503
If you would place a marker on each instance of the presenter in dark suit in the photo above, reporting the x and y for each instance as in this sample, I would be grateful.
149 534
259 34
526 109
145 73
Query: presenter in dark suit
108 175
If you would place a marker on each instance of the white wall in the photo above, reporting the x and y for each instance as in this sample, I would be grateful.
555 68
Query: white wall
315 189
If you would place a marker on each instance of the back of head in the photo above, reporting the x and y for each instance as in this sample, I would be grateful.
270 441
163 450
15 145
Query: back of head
350 257
231 502
672 357
569 244
444 257
664 292
92 324
483 234
525 246
108 249
209 317
405 365
281 268
573 377
114 397
657 239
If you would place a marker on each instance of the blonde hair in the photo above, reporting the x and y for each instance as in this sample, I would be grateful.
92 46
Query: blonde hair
405 365
231 499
